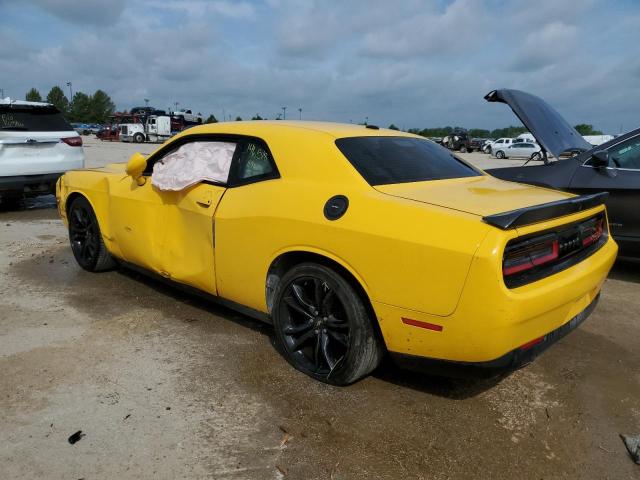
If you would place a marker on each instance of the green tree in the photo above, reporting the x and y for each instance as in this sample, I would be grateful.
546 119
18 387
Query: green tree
586 129
479 132
393 127
33 95
257 117
80 108
59 99
238 118
100 107
211 119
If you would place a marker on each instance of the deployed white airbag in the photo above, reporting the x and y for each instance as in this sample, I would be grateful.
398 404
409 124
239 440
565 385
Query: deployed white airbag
192 163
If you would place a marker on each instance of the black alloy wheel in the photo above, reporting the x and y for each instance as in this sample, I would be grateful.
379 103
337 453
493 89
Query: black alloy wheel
85 237
323 327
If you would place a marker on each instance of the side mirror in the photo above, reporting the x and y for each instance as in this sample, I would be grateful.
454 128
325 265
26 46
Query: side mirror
603 163
135 167
600 158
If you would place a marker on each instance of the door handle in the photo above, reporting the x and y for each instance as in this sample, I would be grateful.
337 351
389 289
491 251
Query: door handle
204 199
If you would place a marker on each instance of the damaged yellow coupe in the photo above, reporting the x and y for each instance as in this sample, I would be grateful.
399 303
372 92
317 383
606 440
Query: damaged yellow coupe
353 241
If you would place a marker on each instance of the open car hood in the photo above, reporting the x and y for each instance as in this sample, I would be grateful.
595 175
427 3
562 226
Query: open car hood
549 128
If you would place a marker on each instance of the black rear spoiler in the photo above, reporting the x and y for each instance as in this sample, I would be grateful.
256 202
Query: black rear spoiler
545 211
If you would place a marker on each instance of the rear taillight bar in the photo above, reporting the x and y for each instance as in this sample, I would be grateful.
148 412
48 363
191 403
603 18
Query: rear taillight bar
72 141
529 254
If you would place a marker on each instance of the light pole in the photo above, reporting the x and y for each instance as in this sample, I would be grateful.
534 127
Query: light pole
146 102
70 92
366 120
284 113
300 112
176 104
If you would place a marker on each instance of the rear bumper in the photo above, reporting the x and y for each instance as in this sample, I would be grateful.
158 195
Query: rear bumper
29 183
491 320
510 361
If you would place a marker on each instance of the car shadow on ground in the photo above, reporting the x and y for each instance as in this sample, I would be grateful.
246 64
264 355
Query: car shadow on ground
626 269
440 384
30 203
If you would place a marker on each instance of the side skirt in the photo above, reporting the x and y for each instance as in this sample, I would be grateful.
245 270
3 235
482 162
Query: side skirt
248 311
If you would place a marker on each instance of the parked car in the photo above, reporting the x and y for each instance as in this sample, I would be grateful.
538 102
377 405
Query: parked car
458 265
499 144
476 144
526 137
457 140
37 145
189 116
527 150
82 128
612 167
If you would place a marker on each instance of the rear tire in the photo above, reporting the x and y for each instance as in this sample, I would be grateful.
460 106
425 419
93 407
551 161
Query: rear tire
138 138
463 149
86 239
536 157
500 154
322 326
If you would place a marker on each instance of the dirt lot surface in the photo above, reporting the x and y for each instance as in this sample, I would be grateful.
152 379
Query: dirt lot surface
164 385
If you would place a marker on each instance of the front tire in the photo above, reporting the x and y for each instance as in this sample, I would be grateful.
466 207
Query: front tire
322 326
85 238
536 156
138 138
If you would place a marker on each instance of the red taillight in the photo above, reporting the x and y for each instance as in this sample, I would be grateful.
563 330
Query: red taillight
73 141
532 253
593 234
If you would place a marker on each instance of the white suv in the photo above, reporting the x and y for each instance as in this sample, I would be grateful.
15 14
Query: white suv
37 145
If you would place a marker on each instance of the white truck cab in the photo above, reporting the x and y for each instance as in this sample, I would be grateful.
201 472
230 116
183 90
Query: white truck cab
37 145
156 128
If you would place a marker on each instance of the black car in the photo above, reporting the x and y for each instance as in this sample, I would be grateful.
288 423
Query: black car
612 167
458 140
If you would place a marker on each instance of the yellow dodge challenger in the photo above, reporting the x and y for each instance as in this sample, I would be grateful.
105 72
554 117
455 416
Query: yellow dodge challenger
353 241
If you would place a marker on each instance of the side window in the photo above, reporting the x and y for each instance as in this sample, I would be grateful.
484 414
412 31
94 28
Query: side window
626 154
499 141
192 163
253 162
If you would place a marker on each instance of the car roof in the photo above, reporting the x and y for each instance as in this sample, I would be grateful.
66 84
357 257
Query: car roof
259 127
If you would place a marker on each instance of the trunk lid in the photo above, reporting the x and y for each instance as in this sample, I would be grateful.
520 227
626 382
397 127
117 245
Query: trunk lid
549 128
482 196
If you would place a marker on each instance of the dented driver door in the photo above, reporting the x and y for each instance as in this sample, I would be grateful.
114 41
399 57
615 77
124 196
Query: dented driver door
191 177
188 246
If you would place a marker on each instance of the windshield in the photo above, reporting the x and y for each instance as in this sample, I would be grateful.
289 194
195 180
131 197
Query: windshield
32 119
387 160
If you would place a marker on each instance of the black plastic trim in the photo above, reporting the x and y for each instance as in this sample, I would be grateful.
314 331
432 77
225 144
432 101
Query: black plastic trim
545 211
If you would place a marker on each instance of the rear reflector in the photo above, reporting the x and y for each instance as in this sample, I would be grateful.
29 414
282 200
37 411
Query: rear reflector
418 323
73 141
532 343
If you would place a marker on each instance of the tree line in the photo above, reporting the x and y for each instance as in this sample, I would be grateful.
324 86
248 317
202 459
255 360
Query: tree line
82 108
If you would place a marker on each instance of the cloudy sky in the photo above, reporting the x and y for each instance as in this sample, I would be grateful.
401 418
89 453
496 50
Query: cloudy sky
413 63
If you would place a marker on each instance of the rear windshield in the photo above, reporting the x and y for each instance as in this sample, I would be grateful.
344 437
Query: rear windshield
387 160
32 119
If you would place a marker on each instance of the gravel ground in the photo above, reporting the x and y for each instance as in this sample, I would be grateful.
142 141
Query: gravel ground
164 385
